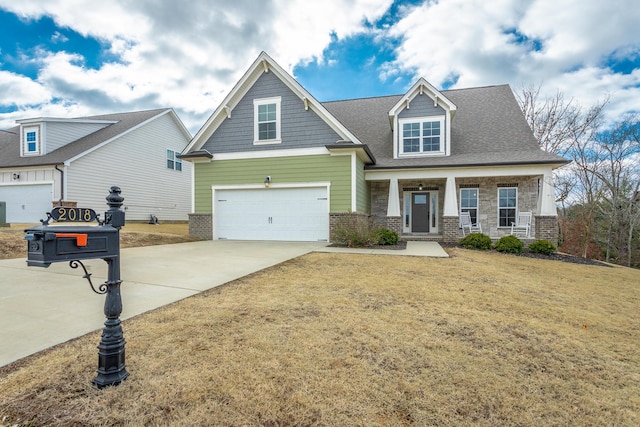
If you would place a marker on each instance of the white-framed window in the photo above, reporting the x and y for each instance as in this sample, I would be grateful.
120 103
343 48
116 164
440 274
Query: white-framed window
469 203
173 162
420 136
507 206
266 114
31 140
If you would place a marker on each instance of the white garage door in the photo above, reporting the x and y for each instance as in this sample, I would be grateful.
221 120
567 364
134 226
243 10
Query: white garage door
289 214
27 203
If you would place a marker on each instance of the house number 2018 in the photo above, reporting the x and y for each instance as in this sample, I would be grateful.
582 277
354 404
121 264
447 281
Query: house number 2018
62 214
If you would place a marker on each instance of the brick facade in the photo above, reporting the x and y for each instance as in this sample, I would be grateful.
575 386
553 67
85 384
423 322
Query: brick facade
201 226
394 223
546 228
450 229
335 217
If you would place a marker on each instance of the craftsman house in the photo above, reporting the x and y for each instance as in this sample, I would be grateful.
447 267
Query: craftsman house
273 163
46 162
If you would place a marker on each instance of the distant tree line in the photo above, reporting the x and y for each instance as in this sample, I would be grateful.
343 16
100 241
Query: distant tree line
598 193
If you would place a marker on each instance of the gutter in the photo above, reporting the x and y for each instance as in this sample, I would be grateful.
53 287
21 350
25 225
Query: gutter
61 183
466 165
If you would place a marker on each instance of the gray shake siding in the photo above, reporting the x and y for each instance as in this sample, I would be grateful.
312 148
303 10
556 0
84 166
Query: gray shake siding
421 106
300 128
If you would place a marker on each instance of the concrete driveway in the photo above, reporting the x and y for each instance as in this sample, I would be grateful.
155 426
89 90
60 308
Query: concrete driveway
42 307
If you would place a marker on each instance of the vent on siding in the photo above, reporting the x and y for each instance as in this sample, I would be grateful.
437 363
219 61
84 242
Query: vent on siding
469 185
222 200
515 184
322 198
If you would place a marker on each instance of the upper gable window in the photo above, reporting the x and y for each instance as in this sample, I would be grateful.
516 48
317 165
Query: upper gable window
31 140
266 121
422 136
173 162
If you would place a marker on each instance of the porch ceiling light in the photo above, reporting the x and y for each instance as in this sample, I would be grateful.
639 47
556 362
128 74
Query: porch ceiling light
420 187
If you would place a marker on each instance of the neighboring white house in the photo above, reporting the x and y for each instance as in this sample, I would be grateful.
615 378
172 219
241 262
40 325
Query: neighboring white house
47 161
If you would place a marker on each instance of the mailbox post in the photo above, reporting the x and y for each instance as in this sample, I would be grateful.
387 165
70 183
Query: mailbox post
48 244
111 354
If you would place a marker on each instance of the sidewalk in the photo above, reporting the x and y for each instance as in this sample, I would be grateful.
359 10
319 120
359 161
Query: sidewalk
428 249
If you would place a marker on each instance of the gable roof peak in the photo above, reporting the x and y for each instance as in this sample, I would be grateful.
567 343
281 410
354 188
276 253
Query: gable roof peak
420 87
263 64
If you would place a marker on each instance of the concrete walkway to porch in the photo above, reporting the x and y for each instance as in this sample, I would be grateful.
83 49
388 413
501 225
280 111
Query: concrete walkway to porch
414 248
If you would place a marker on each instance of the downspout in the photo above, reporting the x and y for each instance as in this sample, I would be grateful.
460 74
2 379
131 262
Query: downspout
61 184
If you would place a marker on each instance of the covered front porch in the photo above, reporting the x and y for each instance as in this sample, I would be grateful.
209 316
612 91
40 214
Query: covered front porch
425 204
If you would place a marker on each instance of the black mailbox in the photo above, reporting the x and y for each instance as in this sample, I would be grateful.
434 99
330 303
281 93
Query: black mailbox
58 243
55 243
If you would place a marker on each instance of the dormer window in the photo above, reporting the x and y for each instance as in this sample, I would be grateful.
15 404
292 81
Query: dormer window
266 121
31 140
422 136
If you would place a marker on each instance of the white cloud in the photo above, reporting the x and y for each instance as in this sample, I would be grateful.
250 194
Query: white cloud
185 55
189 55
471 40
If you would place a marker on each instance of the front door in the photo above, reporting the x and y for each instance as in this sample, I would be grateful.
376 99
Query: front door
420 212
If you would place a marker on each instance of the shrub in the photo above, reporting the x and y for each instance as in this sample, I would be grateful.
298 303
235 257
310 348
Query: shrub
509 244
387 237
476 241
355 230
544 247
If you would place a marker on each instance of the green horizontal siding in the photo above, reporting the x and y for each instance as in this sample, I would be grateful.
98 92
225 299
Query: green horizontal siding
363 199
298 169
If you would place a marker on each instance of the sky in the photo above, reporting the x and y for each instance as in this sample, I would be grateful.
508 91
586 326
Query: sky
62 58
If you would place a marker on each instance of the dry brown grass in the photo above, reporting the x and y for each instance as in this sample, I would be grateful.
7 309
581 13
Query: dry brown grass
12 243
332 339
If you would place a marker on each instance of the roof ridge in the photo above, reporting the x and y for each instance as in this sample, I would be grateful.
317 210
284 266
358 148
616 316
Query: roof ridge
124 113
402 94
363 98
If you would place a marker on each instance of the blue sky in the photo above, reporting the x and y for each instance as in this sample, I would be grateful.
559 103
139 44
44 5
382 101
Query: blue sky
63 59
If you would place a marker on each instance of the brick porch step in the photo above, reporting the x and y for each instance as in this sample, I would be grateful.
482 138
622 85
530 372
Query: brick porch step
422 237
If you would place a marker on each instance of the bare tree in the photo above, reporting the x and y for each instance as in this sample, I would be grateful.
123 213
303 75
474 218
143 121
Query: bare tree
617 167
557 123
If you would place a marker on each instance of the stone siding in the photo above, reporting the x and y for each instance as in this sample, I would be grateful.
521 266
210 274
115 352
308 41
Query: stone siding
379 202
201 226
487 201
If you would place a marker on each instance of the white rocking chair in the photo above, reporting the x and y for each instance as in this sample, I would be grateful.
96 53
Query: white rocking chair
523 225
466 224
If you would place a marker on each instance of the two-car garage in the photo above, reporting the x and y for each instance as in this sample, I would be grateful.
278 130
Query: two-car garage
286 214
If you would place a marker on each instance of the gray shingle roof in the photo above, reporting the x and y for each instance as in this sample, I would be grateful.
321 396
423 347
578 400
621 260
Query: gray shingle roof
10 140
487 129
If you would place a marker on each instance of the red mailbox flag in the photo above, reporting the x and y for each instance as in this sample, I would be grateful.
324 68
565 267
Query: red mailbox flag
81 239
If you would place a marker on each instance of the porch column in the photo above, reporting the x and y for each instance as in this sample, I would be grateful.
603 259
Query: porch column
451 198
547 198
393 204
394 219
450 228
546 220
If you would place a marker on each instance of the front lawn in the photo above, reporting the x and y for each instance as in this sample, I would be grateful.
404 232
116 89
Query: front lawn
481 339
